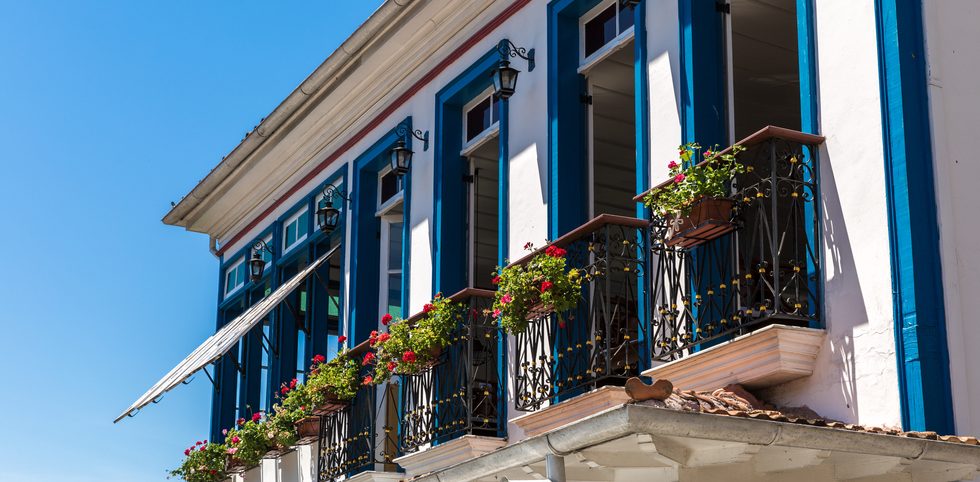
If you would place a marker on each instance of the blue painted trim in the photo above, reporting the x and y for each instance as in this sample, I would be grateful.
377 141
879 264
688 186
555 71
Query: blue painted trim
703 105
641 96
365 237
917 283
810 123
449 190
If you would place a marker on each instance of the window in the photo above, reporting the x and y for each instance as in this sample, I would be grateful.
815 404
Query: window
235 276
393 268
295 229
389 189
480 117
605 24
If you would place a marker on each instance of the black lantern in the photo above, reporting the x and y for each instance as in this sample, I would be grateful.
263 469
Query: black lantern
256 264
504 80
505 76
327 216
401 158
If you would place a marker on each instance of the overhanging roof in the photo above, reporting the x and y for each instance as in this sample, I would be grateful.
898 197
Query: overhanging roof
219 343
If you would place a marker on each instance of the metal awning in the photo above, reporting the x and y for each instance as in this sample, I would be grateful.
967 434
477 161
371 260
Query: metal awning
218 344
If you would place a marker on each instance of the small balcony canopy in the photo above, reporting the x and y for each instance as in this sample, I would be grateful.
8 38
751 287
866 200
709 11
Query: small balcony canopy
227 337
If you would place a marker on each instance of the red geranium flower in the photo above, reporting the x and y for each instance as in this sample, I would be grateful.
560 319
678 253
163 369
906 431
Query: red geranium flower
383 338
292 385
187 452
373 338
256 416
555 251
427 308
235 439
495 280
341 338
241 422
679 178
368 380
386 319
408 356
368 358
391 366
284 389
318 359
673 165
546 285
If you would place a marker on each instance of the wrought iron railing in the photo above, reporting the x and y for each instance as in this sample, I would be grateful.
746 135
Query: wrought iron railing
362 436
600 342
764 271
460 393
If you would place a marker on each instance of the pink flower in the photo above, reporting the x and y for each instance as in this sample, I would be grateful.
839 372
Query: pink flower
496 313
235 439
679 178
495 280
202 448
673 165
256 416
707 153
224 431
506 298
187 452
241 422
408 356
231 451
546 285
386 319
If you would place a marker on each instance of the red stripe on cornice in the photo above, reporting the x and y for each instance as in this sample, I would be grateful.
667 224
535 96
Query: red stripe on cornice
382 116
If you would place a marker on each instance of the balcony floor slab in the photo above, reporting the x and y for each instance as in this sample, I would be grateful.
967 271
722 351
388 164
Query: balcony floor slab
447 454
571 410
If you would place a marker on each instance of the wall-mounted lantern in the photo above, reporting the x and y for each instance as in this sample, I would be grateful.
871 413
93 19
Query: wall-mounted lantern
256 263
505 76
401 155
327 216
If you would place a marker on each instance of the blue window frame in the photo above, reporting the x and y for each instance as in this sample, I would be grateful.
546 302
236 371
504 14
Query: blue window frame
295 229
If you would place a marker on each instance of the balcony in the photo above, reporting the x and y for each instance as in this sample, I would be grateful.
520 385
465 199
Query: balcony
598 344
760 268
450 411
360 438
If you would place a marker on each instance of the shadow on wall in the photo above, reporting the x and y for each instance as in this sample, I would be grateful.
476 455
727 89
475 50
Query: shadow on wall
832 389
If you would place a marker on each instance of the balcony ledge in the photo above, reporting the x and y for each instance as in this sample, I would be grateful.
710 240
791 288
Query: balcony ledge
375 476
571 410
764 358
455 451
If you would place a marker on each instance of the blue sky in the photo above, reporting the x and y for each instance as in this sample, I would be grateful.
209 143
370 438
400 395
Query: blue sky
109 110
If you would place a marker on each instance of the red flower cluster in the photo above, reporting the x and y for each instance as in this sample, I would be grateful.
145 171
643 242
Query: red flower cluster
383 338
256 416
546 285
373 338
241 422
368 380
341 338
495 280
408 356
391 366
386 319
673 165
427 308
555 251
318 359
284 390
292 384
679 178
368 358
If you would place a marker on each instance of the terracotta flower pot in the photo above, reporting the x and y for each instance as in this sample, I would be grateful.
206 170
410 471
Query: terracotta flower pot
707 219
308 427
232 464
331 404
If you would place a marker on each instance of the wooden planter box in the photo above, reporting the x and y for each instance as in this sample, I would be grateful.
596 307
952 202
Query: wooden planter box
308 427
709 218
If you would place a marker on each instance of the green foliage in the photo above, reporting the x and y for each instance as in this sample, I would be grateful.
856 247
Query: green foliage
691 180
412 347
541 285
249 442
337 378
204 462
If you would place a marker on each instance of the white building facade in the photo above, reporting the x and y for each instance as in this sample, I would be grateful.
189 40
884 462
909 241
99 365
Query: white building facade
844 284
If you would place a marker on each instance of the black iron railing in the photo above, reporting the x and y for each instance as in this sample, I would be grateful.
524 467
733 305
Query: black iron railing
601 341
460 393
360 437
765 270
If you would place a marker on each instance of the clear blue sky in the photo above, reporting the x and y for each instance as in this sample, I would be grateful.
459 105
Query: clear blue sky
109 110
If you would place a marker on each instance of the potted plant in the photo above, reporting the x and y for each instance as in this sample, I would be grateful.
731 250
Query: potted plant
695 200
538 287
331 385
203 462
411 347
247 443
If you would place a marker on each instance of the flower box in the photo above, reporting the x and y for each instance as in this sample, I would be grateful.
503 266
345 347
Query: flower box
707 219
232 464
308 427
331 404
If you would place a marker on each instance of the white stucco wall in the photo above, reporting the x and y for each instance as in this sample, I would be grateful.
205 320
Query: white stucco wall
951 44
855 379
